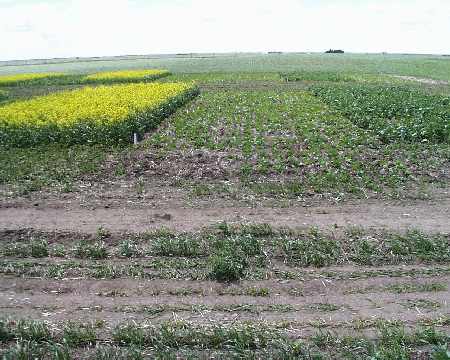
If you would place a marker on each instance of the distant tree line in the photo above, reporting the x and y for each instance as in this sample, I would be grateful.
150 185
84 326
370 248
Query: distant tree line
331 51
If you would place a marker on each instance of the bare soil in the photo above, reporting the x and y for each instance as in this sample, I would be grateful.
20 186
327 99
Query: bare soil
431 216
121 300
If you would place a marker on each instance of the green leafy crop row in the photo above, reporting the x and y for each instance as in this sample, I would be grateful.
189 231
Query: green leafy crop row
393 113
315 76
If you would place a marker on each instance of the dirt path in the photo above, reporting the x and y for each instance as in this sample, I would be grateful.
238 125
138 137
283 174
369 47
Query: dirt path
422 80
428 216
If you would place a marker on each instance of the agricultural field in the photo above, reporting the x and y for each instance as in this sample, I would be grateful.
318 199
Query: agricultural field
282 206
125 76
29 79
104 114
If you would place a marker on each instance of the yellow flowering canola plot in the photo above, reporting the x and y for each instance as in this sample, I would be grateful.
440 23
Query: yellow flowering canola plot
127 75
105 114
6 80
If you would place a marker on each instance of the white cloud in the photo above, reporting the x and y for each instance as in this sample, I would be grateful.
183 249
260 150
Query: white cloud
50 28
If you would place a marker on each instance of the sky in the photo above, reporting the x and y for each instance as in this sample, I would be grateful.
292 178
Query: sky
31 29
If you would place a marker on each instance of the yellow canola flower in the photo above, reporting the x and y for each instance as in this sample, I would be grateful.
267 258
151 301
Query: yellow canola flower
127 75
102 104
19 78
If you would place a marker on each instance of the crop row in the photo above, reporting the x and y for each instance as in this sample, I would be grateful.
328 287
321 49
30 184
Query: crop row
24 79
306 248
104 114
195 270
180 339
317 76
393 113
231 257
123 76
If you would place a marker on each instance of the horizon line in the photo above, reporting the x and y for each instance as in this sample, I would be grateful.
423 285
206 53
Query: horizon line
184 54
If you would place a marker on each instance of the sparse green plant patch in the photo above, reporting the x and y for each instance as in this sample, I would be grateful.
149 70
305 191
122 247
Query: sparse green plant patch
430 335
410 288
58 250
419 245
77 335
401 288
245 340
189 291
102 233
295 291
236 256
443 320
130 335
180 245
129 249
255 230
51 166
113 293
249 245
261 132
34 248
96 251
323 307
177 263
108 271
255 291
393 342
248 291
424 304
412 246
32 330
53 271
104 352
20 250
313 250
24 350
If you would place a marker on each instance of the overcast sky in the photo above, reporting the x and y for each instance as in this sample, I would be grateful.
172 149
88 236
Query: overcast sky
65 28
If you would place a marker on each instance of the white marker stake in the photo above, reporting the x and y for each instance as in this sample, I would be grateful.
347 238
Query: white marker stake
135 139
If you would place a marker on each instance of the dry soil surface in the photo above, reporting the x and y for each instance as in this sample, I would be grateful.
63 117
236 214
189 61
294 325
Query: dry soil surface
429 216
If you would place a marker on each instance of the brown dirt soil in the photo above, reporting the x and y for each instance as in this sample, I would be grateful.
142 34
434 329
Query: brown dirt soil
430 216
122 300
125 300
